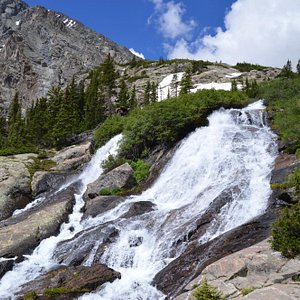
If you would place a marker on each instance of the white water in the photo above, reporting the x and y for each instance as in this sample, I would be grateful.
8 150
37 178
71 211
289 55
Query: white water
41 259
235 153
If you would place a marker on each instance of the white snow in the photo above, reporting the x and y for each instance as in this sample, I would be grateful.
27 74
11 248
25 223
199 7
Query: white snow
165 88
233 75
66 20
18 22
69 23
140 55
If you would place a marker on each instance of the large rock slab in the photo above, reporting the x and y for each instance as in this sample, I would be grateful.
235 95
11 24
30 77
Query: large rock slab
74 280
264 272
120 177
73 157
15 189
20 234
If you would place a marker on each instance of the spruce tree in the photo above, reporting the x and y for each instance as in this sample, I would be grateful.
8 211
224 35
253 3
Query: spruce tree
287 70
298 68
132 99
147 93
174 85
122 103
234 85
153 93
186 82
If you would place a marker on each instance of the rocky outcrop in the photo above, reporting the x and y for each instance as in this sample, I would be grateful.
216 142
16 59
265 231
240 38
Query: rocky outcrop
258 270
174 277
72 281
120 177
74 157
41 48
15 190
22 233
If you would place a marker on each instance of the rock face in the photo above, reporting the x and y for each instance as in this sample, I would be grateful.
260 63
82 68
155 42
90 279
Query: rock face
73 157
40 48
261 270
120 177
22 233
14 185
74 281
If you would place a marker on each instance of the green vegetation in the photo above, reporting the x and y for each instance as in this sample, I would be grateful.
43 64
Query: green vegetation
283 101
30 296
53 292
110 191
247 291
141 170
40 165
246 67
207 292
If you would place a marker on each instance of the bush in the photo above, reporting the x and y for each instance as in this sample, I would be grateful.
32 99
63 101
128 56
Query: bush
141 170
112 162
108 129
207 292
247 291
246 67
286 232
110 191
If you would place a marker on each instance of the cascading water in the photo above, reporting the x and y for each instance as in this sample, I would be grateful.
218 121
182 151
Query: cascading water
41 259
235 153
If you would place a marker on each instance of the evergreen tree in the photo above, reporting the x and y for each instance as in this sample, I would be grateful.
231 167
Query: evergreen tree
15 125
122 104
3 129
147 93
174 85
234 85
132 99
298 68
287 70
153 93
186 82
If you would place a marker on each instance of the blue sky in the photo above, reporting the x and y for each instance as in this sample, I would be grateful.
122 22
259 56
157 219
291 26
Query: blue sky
257 31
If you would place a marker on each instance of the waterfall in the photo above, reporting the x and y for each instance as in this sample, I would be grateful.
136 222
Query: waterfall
235 153
41 260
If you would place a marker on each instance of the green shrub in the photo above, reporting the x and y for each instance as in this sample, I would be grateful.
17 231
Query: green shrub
110 191
108 129
30 296
141 170
286 232
246 67
56 291
112 162
40 165
247 291
207 292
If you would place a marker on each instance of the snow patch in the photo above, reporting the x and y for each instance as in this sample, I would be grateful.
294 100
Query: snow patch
140 55
18 22
233 75
165 87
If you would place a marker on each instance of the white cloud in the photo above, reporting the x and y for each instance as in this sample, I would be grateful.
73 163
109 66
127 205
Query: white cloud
141 55
257 31
168 17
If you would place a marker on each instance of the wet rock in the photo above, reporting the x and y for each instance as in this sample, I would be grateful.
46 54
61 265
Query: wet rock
172 279
43 181
21 233
15 190
120 177
74 280
101 204
78 250
135 241
73 157
5 266
138 208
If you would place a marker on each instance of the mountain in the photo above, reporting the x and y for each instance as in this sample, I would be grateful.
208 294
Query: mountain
40 48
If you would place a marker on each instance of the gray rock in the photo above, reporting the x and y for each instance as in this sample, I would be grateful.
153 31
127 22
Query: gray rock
74 157
120 177
75 279
15 190
41 48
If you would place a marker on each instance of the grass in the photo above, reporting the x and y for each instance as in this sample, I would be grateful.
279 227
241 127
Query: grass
247 291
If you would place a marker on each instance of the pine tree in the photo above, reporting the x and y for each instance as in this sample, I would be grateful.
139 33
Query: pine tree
153 93
132 99
287 70
122 103
298 68
174 85
234 85
186 83
3 129
147 94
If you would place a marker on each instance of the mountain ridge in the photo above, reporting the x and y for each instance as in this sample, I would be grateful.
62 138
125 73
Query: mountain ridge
40 48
